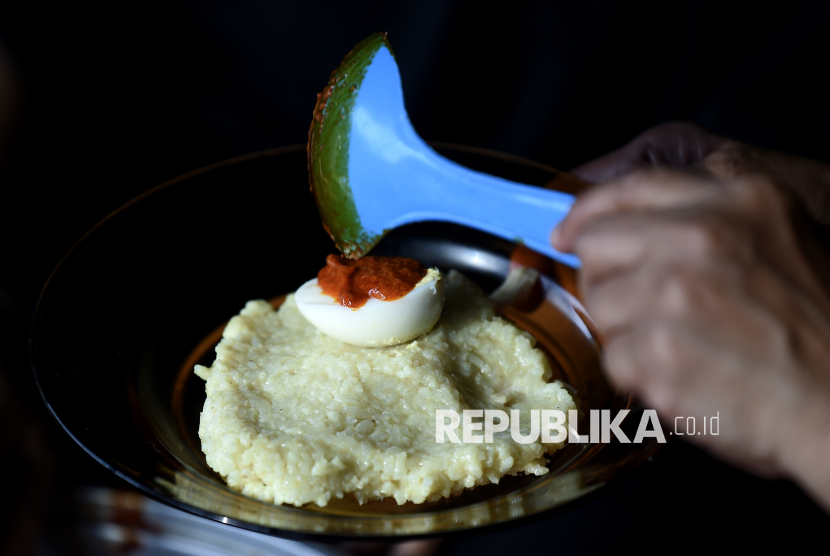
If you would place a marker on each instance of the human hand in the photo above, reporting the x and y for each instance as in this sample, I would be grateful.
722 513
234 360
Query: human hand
712 300
685 145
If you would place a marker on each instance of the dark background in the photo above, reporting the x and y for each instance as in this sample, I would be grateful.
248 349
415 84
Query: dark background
116 98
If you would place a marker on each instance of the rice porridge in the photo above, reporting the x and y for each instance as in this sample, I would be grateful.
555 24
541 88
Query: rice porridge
295 416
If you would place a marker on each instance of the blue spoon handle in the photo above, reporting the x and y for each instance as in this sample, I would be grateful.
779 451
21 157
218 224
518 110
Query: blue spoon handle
395 178
435 188
514 211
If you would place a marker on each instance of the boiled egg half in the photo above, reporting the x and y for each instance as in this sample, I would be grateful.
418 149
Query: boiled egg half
377 323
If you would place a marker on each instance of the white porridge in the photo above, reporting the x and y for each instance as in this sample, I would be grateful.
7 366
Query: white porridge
295 416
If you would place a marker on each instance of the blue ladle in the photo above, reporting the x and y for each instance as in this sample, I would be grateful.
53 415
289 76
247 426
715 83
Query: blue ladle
370 172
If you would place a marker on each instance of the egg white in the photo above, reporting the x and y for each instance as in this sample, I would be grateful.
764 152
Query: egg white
378 323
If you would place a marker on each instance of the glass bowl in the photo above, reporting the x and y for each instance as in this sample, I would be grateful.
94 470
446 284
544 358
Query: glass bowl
142 297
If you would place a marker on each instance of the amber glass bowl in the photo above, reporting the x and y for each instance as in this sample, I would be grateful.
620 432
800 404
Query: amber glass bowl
143 296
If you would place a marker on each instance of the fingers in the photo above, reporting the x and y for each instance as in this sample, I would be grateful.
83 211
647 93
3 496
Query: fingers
644 360
638 191
672 292
612 165
699 235
707 300
675 144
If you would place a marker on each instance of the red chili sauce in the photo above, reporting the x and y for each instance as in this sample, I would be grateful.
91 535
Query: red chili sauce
353 282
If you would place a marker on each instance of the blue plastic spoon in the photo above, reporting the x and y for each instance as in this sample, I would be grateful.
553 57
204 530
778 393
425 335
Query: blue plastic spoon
370 172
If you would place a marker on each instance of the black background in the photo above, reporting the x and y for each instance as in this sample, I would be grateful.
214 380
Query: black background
119 97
